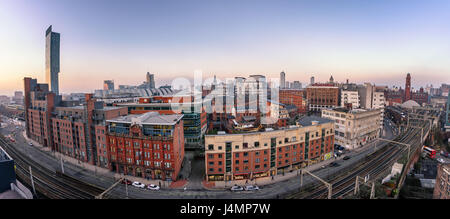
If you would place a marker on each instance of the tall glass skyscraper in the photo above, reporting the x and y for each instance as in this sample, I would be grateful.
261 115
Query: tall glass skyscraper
52 59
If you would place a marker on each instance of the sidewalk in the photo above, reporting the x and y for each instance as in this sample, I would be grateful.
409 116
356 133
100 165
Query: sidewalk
100 170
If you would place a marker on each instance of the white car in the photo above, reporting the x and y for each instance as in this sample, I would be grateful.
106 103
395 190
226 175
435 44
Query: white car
153 187
138 185
31 144
251 188
237 188
440 160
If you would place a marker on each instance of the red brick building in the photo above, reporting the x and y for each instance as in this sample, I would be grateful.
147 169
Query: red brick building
262 154
39 103
322 96
294 97
71 127
148 145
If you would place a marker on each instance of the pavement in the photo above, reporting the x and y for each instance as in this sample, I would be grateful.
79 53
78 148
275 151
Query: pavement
195 185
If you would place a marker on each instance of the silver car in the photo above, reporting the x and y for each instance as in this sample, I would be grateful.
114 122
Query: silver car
251 188
237 188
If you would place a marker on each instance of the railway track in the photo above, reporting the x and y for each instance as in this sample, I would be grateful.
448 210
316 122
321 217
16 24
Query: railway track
49 183
374 164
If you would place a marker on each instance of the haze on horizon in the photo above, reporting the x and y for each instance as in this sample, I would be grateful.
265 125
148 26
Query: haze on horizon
360 40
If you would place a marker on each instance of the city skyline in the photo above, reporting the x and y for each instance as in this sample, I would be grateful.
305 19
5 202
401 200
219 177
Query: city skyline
173 39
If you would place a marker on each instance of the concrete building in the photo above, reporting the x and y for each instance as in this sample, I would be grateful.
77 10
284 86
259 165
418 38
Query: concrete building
268 153
442 185
312 81
354 128
322 96
372 97
150 80
150 145
52 59
350 98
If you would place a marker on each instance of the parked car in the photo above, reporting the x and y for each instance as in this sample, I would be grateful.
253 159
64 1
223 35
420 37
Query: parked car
347 158
138 185
440 160
153 187
334 164
251 187
126 181
237 188
31 144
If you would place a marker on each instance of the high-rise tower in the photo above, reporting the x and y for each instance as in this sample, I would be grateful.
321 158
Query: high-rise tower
282 80
408 88
150 80
52 59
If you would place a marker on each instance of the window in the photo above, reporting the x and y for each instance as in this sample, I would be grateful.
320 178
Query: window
257 160
220 155
245 145
256 144
211 163
211 147
210 155
236 147
245 154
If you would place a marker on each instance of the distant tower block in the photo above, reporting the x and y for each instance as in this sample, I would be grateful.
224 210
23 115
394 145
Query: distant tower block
282 80
312 80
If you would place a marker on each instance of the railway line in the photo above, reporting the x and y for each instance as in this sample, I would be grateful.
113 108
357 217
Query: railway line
49 183
374 164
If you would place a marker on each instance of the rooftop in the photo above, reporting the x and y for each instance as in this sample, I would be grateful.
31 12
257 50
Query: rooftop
307 120
150 118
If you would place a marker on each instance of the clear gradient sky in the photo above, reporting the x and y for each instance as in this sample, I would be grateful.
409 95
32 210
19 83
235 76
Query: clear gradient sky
363 40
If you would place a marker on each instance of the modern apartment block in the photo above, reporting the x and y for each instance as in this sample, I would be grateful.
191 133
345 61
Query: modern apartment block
148 145
442 186
354 128
52 59
268 153
78 131
39 104
322 96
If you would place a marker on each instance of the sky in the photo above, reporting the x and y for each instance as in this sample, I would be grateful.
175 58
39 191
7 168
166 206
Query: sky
360 40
